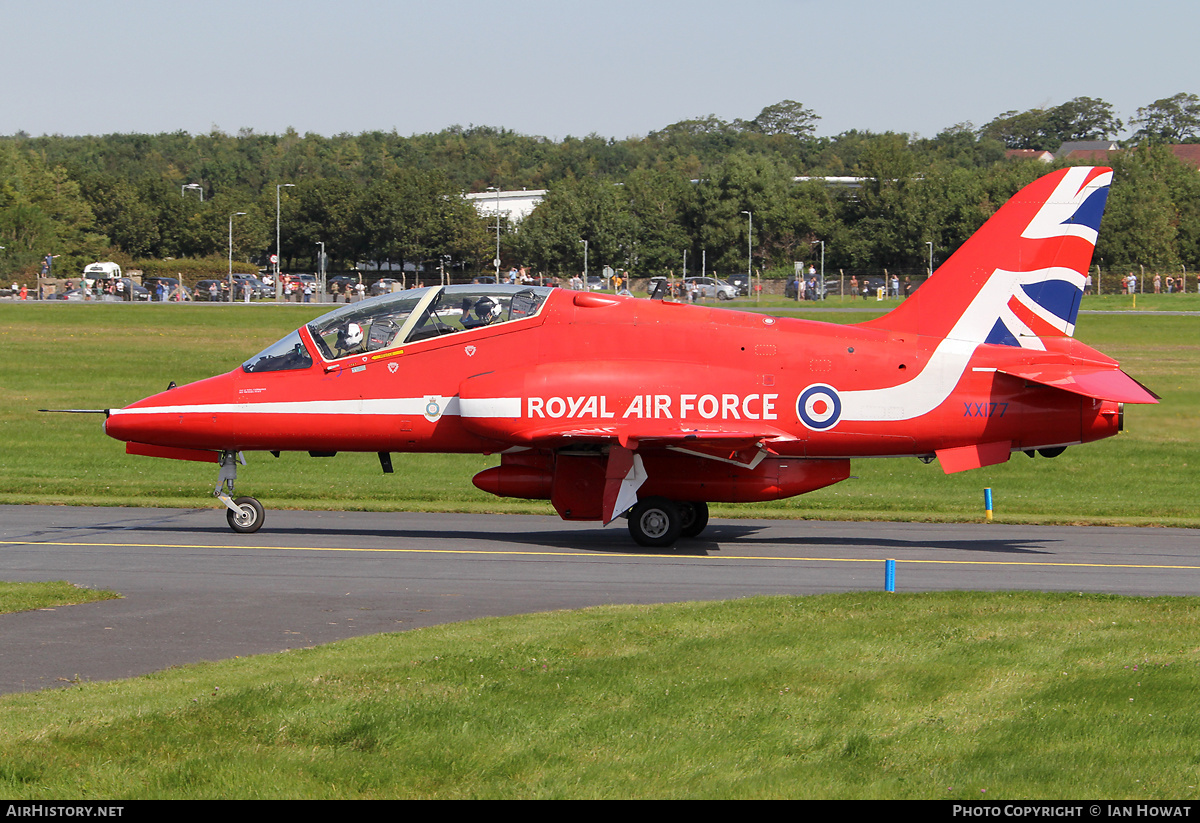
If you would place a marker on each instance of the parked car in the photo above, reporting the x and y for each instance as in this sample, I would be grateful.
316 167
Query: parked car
871 285
341 281
258 288
384 285
810 292
202 291
741 282
711 287
293 286
133 291
107 290
174 290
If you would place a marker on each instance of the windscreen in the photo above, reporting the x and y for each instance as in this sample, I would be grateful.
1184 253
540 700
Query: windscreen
289 353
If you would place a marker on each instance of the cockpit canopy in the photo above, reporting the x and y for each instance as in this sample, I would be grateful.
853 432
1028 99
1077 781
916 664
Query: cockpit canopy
402 318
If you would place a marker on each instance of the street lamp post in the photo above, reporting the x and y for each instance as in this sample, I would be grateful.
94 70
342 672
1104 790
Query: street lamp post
821 289
278 250
193 187
749 244
321 272
235 214
930 244
586 285
496 261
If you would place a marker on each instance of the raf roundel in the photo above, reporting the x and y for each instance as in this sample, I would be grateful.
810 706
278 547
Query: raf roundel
819 407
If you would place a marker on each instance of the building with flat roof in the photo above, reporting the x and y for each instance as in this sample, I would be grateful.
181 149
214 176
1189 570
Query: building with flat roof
514 205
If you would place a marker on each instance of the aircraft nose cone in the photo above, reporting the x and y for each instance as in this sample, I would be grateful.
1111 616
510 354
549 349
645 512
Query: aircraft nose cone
192 416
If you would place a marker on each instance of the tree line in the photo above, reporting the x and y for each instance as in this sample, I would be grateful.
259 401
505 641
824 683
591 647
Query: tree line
703 189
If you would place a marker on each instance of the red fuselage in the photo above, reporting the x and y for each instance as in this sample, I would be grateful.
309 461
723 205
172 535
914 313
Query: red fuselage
592 366
607 404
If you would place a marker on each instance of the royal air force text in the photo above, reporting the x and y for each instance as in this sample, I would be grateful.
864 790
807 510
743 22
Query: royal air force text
657 407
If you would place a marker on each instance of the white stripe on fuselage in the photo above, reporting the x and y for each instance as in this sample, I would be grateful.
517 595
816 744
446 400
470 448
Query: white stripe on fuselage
934 385
448 405
921 395
386 406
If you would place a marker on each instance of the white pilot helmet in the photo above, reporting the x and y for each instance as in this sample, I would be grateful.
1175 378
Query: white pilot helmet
354 335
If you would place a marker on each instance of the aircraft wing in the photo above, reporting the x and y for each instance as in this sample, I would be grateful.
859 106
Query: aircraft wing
646 434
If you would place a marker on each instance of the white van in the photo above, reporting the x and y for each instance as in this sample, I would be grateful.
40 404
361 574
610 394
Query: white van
101 271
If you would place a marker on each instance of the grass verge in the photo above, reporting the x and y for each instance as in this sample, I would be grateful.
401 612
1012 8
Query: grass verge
23 597
943 695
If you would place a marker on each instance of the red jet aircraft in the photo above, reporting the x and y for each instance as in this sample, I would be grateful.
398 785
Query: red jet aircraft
607 405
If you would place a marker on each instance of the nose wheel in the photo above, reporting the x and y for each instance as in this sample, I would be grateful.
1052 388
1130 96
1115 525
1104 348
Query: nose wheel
245 514
248 517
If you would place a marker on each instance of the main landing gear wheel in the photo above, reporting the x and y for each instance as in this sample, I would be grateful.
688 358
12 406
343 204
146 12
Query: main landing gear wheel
655 523
249 516
694 517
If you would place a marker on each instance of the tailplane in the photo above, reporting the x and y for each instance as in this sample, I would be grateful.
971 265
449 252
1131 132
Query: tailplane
1019 278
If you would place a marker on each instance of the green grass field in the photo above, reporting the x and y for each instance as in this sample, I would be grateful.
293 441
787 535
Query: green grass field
85 356
867 695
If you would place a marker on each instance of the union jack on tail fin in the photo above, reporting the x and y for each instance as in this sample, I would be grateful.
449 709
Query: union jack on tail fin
1020 278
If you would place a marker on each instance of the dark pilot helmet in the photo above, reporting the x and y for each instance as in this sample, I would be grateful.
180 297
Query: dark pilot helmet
487 309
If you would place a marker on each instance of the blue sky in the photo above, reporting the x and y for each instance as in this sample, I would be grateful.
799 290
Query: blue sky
616 68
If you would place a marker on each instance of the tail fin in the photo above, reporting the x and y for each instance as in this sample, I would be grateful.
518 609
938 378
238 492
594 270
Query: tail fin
1021 276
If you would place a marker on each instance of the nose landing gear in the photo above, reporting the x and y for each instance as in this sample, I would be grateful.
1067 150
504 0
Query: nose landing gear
245 514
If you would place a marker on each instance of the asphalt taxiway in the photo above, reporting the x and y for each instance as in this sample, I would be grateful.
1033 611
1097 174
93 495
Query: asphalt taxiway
193 590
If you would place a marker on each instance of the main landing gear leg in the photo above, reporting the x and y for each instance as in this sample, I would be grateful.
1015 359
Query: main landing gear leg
245 514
